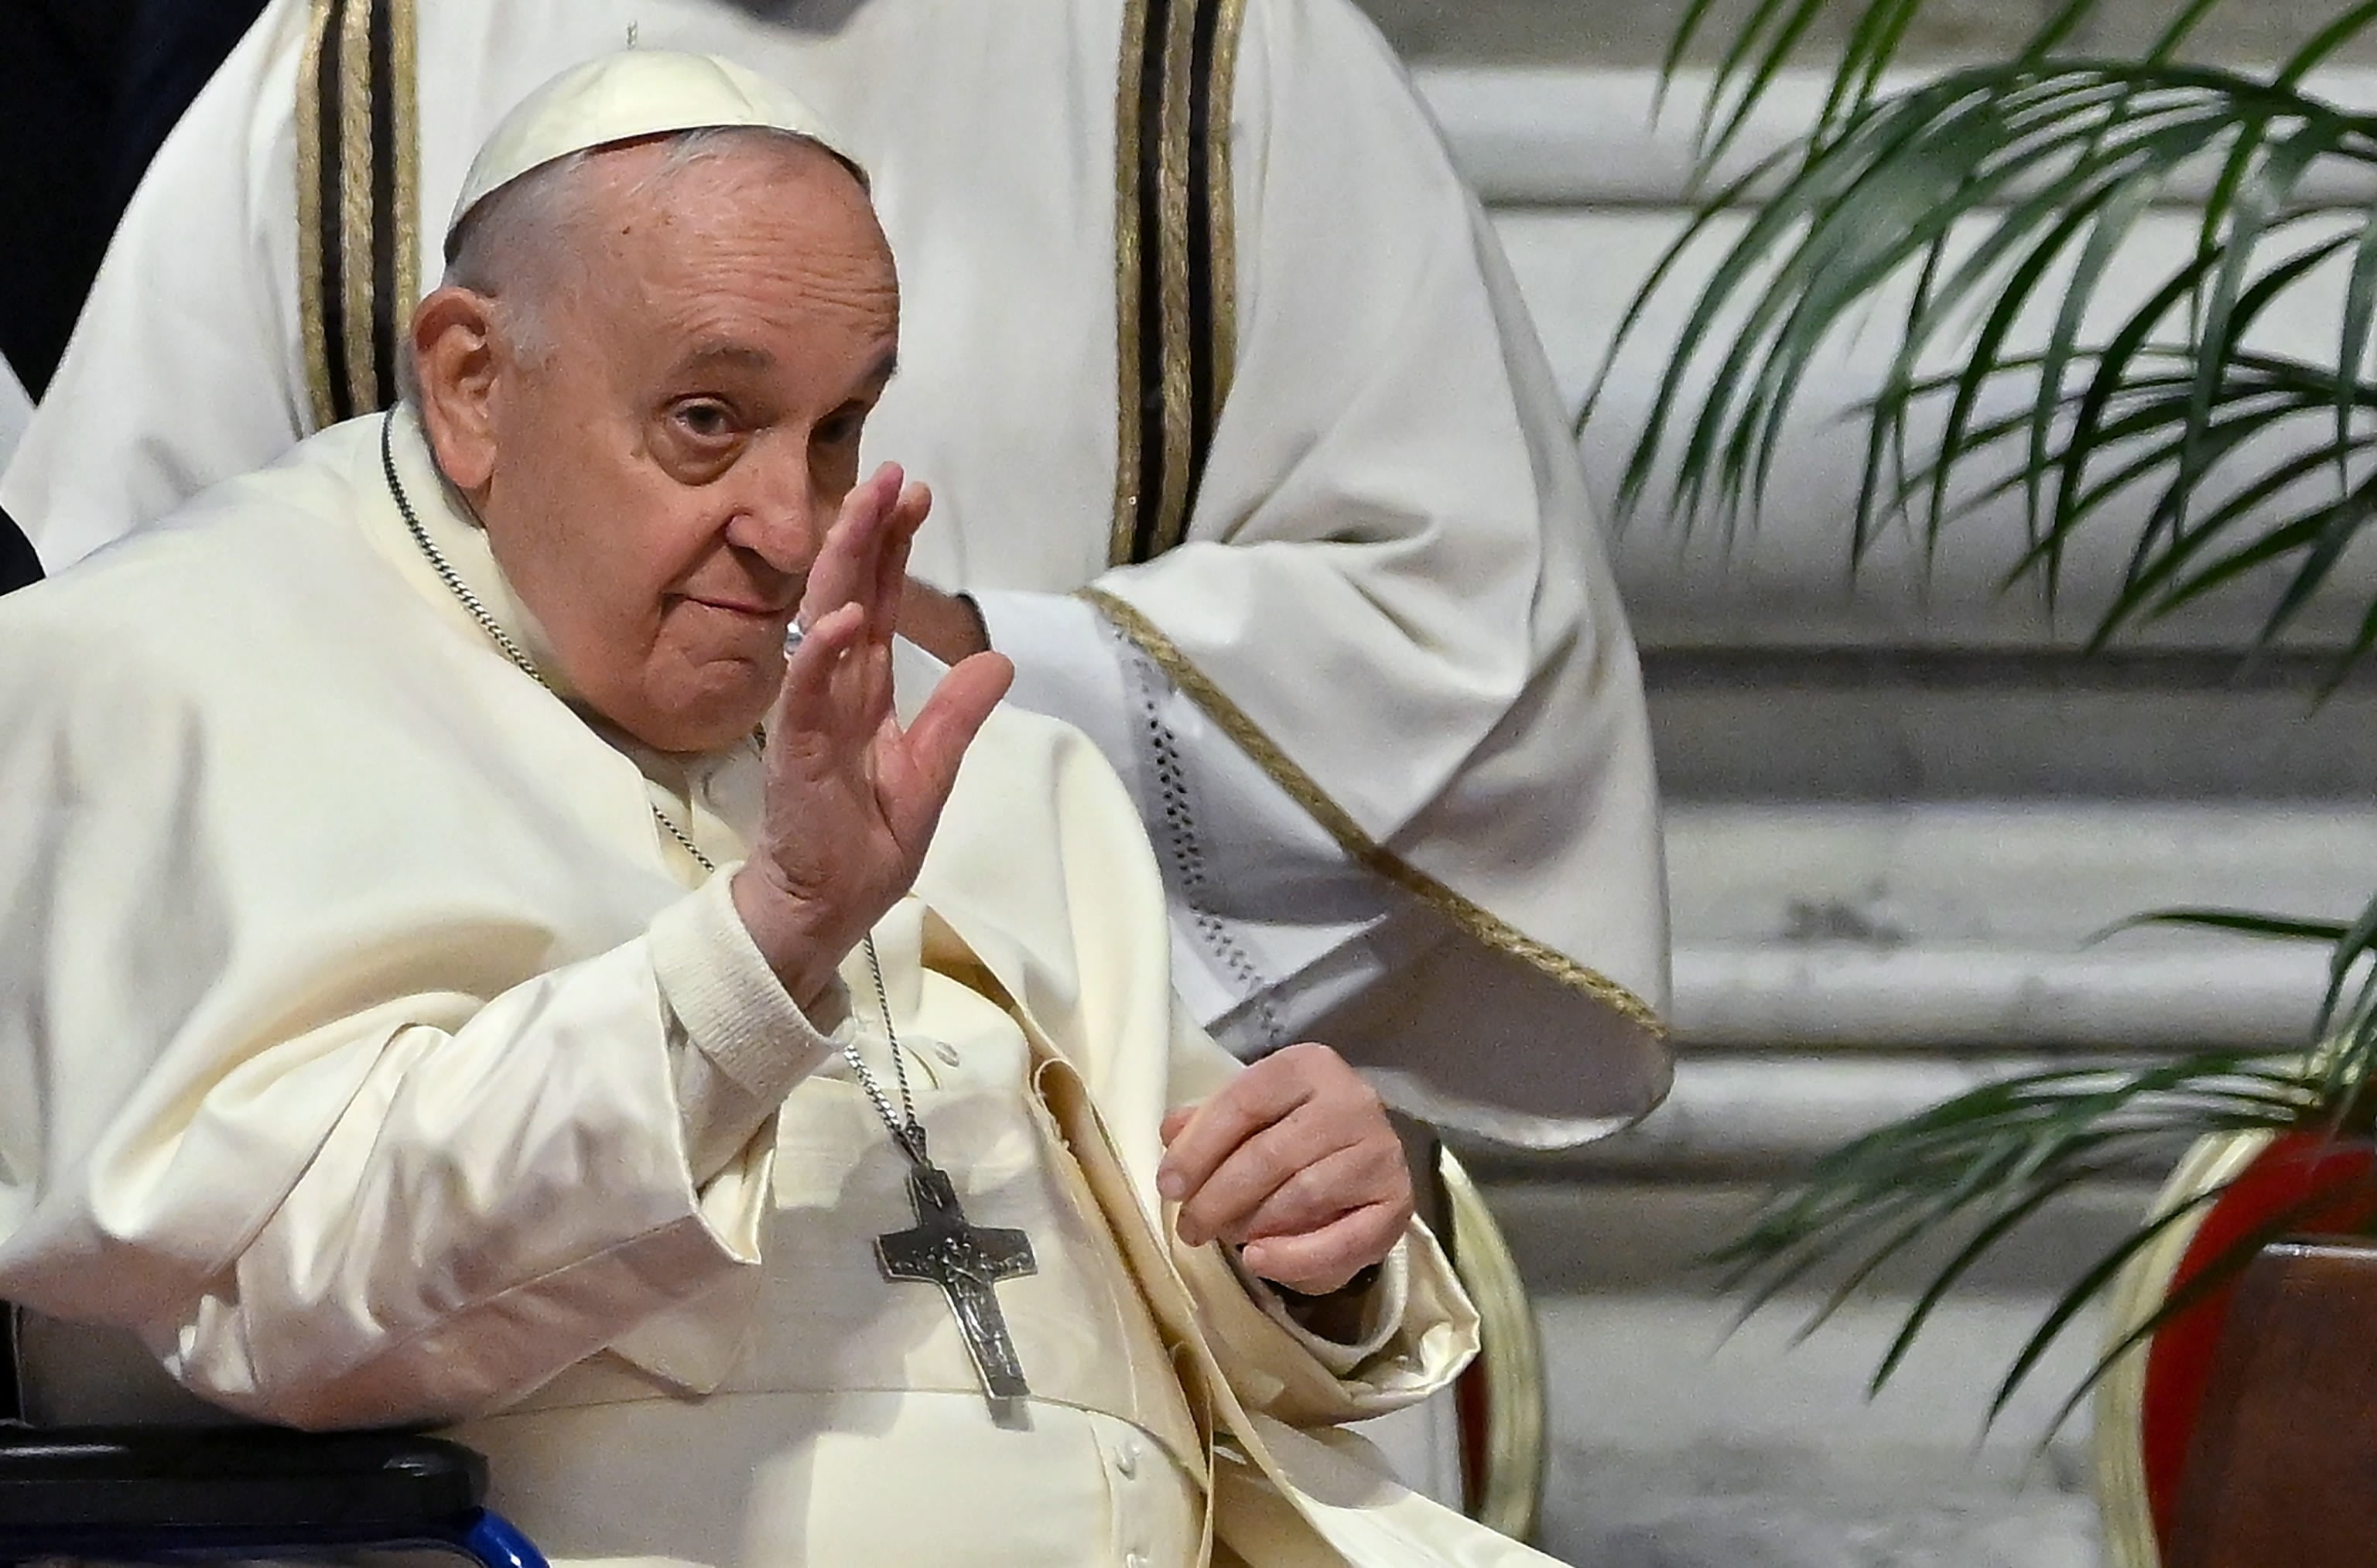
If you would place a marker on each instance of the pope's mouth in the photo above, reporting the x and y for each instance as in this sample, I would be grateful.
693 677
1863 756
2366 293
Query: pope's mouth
744 609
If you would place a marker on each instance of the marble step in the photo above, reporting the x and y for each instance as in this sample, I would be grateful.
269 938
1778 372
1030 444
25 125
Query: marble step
1926 926
1549 130
1636 33
1849 726
1579 1233
1677 1443
1698 1511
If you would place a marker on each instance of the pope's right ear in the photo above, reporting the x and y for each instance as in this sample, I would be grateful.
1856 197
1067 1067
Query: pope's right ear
454 358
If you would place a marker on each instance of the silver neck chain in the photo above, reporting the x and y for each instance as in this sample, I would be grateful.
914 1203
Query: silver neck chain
906 1131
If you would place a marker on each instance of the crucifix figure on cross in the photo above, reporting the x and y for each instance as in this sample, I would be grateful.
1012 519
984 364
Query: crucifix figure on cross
966 1261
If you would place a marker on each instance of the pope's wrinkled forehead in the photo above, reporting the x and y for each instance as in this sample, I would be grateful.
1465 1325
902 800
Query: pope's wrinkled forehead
633 95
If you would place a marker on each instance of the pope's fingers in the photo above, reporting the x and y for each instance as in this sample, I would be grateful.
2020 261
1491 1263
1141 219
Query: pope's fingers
809 671
1266 1092
1370 1171
878 568
844 571
1324 1260
935 743
1260 1167
908 512
863 705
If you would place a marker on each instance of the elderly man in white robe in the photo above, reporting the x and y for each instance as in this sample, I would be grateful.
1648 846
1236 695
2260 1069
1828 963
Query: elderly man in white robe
433 995
1240 433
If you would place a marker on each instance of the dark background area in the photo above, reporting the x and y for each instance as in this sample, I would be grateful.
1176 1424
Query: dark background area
88 91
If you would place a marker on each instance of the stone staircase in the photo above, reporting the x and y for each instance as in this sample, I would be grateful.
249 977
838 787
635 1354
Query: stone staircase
1900 810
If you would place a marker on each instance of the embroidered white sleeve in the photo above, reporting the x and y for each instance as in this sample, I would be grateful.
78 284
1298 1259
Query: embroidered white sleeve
1272 925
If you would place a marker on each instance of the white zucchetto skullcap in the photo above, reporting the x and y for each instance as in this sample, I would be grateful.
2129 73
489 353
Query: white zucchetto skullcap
625 97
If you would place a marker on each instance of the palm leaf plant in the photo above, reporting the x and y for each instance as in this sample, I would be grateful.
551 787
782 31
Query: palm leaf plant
2002 201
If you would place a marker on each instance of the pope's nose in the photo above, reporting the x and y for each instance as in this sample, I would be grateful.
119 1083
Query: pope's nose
783 524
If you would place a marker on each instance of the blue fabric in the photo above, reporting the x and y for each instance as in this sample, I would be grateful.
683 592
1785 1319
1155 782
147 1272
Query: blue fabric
486 1538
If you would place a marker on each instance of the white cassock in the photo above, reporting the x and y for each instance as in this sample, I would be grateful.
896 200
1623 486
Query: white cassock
1237 425
366 1059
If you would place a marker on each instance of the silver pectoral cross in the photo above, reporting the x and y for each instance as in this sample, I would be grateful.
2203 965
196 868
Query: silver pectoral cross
966 1261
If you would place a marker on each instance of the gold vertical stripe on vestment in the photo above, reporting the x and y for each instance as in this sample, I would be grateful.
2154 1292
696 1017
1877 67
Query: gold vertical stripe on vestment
358 200
1476 922
1129 261
1222 206
357 274
313 341
1173 262
404 221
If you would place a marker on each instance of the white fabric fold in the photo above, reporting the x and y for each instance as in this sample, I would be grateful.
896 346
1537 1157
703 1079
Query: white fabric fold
1067 667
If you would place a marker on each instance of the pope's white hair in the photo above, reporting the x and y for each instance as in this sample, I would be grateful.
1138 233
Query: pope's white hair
522 246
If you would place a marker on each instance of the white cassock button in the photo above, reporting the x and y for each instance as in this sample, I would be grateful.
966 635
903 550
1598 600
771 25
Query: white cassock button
1136 1560
1126 1460
946 1052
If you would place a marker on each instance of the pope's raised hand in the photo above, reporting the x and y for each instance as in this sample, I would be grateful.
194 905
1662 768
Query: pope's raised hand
853 796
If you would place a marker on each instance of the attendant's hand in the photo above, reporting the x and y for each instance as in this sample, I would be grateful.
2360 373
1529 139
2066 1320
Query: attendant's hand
852 797
1296 1163
946 625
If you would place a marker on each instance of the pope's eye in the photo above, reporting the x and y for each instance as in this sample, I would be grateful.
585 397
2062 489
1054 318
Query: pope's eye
705 420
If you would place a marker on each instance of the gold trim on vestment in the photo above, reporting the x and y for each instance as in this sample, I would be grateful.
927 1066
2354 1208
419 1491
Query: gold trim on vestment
356 275
1129 260
309 214
1222 96
405 61
341 130
1172 276
1480 924
1510 1352
1176 310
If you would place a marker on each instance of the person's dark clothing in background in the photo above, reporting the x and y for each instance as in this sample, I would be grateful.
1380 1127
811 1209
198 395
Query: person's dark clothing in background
89 89
17 565
60 74
170 49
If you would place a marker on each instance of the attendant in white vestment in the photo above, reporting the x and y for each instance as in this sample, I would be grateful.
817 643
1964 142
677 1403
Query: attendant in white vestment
1239 435
424 998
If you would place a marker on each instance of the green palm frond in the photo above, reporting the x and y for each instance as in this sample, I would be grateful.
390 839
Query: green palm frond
2229 487
1984 1164
2343 1068
2004 193
1766 41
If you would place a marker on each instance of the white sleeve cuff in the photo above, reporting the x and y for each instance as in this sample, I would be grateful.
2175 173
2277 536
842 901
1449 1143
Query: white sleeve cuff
1066 666
1382 1314
734 1010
